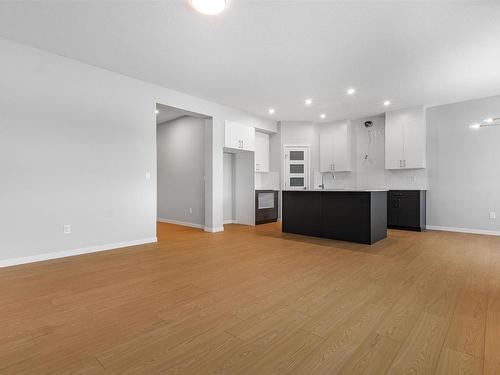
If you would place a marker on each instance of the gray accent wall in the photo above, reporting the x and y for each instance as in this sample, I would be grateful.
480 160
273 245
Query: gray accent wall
181 168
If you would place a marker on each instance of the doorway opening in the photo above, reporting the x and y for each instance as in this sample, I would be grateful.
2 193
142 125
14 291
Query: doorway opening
180 147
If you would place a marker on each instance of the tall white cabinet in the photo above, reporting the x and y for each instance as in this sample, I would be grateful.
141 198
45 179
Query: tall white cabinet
261 152
335 147
239 137
405 138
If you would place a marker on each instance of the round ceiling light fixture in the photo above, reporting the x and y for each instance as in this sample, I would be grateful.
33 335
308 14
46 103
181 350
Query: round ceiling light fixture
209 7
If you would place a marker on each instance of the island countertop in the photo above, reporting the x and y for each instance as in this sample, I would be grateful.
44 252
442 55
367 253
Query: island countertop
347 190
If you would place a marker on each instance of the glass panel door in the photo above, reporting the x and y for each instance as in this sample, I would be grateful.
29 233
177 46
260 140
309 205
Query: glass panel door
296 167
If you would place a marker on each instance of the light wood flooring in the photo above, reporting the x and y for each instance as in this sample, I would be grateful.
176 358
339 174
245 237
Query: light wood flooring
256 301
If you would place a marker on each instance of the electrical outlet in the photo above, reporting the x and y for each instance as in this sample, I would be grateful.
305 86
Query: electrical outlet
148 176
67 229
493 215
414 179
190 210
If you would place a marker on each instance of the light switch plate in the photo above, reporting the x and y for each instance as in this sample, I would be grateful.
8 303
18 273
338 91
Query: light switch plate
67 229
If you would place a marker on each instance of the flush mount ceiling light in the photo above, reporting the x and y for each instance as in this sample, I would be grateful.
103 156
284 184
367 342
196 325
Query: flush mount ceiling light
322 116
350 91
489 122
271 111
308 101
209 7
387 103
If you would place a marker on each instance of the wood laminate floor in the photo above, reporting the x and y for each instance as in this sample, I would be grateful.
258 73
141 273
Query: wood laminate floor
256 301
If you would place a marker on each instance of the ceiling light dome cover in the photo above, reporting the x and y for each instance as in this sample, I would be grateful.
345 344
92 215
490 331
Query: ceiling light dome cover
209 7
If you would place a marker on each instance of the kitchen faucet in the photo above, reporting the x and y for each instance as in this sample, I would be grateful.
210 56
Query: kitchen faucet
322 186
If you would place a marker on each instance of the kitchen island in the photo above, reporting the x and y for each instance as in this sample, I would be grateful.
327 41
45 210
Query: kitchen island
347 215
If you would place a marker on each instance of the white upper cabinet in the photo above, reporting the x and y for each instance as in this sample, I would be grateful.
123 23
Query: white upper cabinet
335 147
405 139
239 137
261 152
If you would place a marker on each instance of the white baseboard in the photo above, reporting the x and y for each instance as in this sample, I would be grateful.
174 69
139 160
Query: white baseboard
214 229
183 223
464 230
69 253
229 222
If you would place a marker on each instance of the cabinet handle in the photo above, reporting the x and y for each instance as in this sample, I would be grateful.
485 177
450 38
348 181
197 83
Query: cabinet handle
400 163
404 163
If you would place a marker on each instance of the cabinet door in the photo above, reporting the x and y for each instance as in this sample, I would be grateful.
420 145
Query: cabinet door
394 140
415 139
239 137
261 152
409 212
326 144
231 138
335 147
247 138
342 147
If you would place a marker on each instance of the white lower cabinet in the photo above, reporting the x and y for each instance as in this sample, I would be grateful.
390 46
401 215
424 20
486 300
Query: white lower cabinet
335 147
405 138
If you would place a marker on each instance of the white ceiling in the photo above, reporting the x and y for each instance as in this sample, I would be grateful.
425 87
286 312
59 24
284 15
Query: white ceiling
261 54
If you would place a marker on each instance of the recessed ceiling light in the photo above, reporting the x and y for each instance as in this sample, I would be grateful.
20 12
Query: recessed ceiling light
489 120
350 91
387 102
157 111
475 126
271 111
308 101
322 116
209 7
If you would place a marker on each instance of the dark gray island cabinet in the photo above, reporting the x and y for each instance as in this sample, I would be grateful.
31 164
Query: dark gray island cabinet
347 215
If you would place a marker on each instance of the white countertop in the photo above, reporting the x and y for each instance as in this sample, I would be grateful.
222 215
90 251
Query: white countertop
347 190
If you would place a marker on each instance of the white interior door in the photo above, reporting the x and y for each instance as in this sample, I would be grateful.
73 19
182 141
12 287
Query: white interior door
296 167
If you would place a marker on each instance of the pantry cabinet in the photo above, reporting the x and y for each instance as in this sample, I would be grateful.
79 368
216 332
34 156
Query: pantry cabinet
405 139
335 147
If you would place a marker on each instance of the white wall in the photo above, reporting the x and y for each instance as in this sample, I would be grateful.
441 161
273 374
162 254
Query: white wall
75 145
463 163
244 188
228 187
181 169
366 173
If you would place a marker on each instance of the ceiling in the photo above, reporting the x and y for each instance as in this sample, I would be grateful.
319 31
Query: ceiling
262 54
